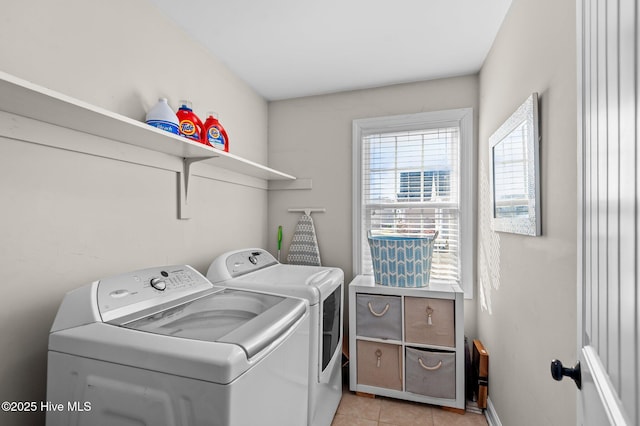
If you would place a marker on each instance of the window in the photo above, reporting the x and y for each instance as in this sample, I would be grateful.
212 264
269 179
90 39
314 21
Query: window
414 174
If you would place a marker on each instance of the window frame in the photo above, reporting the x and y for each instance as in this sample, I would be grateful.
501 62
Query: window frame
461 118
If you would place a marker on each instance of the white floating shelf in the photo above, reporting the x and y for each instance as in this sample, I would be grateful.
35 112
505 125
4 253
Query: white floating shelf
26 99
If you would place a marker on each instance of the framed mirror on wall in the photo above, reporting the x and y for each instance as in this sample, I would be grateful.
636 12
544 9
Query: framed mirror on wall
515 172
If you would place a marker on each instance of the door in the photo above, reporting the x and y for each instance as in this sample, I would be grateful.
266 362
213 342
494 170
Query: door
609 234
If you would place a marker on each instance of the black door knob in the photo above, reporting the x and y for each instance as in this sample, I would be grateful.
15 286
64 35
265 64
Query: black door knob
558 371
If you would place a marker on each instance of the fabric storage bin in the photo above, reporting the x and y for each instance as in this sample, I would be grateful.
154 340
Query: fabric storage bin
379 316
379 364
431 373
401 260
429 321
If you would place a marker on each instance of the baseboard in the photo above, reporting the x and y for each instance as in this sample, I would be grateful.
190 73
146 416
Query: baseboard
491 415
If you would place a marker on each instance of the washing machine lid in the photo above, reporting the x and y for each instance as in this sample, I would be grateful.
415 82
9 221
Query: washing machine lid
248 319
215 338
256 269
309 282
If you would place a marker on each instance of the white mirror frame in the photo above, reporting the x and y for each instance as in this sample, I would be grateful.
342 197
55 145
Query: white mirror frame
515 192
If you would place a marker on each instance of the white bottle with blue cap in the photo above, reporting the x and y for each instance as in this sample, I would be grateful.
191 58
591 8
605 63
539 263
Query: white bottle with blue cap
163 117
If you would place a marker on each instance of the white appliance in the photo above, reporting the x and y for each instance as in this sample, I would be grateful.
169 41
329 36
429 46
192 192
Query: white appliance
163 346
256 269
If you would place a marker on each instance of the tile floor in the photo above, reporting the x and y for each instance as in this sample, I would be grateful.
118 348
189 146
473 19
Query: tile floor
380 411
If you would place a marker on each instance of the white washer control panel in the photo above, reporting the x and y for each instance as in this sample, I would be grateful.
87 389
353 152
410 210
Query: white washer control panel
125 294
243 262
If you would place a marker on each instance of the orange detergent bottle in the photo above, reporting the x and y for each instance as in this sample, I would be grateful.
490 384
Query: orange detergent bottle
214 133
190 125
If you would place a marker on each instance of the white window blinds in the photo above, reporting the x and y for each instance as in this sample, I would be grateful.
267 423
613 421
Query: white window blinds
411 184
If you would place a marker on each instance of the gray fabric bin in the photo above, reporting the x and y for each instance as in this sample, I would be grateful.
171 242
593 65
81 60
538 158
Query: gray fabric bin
379 316
431 373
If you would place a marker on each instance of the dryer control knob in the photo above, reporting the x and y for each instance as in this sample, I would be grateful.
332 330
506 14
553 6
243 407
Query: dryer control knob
158 284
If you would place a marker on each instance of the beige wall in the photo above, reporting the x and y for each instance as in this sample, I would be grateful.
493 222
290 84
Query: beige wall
312 138
529 283
69 218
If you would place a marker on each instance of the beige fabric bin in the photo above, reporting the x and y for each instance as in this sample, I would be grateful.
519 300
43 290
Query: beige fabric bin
429 321
379 364
379 316
431 373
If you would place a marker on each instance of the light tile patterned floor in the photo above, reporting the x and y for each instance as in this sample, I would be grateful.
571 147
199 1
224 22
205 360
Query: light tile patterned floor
380 411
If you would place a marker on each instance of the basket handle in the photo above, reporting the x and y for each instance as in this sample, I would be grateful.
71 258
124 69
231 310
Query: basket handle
426 367
384 311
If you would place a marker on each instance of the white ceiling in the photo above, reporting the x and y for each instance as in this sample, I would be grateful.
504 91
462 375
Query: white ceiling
292 48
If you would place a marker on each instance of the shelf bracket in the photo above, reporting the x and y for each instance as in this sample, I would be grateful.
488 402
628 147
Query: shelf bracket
183 186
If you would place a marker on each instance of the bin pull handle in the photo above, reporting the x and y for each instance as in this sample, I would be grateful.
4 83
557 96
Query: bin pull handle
384 311
429 314
426 367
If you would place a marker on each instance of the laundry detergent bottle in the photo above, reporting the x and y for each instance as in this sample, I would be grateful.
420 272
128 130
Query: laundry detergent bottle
190 124
163 117
214 133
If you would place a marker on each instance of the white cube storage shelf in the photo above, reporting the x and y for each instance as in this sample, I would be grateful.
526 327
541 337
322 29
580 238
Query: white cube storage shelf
407 343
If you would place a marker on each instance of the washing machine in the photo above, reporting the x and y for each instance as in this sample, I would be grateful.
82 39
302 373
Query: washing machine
322 287
163 346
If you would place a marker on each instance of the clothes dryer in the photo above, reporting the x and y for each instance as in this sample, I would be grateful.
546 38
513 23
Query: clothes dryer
163 346
256 269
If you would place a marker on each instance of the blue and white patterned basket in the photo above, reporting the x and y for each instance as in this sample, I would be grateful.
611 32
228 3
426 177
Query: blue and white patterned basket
401 260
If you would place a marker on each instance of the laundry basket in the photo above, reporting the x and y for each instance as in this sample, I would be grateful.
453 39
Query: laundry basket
401 260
